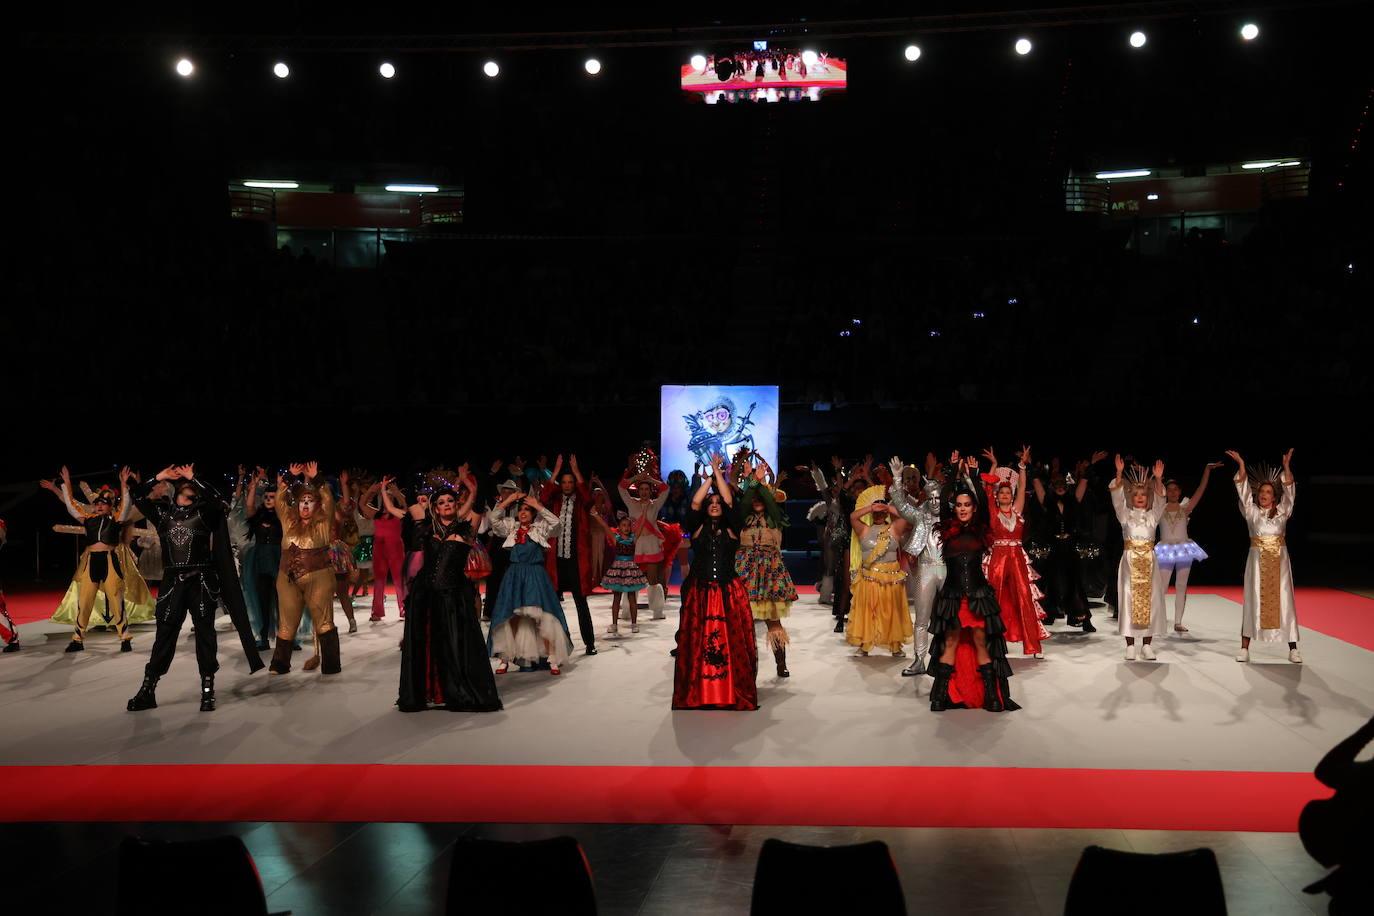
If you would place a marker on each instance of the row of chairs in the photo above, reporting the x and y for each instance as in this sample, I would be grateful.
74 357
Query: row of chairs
218 876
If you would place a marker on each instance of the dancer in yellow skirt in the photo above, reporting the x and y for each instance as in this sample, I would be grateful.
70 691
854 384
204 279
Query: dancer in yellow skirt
106 567
878 613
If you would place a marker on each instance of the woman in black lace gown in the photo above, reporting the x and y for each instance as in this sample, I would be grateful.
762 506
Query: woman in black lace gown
444 662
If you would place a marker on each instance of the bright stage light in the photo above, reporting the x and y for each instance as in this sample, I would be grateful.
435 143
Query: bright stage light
912 52
1267 164
1152 197
491 68
1137 39
185 67
1023 46
1123 173
387 70
273 185
809 58
699 63
1249 31
413 188
281 70
592 66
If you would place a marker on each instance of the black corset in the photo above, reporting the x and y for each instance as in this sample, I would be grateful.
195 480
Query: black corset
964 574
447 561
102 529
185 538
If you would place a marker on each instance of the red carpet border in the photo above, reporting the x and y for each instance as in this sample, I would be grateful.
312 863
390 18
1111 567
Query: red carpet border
774 796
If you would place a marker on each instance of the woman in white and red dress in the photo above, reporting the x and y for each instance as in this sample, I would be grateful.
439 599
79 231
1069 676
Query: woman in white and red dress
1008 567
644 496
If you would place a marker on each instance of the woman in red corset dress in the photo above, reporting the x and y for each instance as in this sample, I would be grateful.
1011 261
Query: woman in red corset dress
717 658
966 629
1008 568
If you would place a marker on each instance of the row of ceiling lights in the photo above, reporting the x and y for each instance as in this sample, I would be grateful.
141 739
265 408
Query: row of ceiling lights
186 67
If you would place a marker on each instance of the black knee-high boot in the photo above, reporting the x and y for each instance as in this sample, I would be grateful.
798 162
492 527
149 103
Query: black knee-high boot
939 691
281 657
207 693
330 662
992 701
1007 704
146 698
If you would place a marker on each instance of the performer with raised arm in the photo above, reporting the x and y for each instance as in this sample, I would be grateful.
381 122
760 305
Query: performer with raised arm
968 638
921 510
759 562
9 631
107 566
527 622
1009 569
878 613
198 575
305 582
717 655
1176 551
1062 579
1270 612
644 495
444 661
1139 579
262 559
839 494
388 550
569 563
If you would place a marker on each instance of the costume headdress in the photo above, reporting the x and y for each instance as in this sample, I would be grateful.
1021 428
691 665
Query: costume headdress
875 493
106 494
1135 480
1263 473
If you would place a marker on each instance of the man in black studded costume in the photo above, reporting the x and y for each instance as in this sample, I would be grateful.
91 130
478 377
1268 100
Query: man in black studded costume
199 575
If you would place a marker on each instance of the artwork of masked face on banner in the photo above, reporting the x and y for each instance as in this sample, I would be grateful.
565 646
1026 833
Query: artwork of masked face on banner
699 420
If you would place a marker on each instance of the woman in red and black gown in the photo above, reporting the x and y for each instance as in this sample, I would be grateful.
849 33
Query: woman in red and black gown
966 630
717 658
444 660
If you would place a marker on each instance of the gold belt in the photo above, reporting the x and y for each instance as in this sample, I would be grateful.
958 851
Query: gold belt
883 572
1270 547
1140 554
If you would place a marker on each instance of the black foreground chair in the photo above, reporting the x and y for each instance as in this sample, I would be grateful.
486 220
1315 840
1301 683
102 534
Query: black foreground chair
1112 881
793 879
214 877
484 872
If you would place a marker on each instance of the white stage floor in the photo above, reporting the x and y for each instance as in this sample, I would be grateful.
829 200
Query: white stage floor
1084 707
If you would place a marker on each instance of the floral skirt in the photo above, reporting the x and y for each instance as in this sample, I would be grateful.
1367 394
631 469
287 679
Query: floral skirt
624 575
766 580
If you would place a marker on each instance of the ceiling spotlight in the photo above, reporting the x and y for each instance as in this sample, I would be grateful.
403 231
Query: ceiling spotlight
1123 173
1023 46
809 58
185 67
413 188
1249 31
491 68
281 70
592 66
912 52
1152 197
1137 39
272 185
387 70
699 63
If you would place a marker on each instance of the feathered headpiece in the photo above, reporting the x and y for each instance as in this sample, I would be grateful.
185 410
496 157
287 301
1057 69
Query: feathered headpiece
439 478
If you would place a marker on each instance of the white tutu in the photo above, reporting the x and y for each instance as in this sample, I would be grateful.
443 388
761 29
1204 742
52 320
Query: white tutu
1179 554
527 642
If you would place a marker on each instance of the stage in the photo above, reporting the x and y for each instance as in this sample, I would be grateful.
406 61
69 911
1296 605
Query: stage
1194 741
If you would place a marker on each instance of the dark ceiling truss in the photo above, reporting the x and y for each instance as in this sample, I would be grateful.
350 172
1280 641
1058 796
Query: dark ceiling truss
376 40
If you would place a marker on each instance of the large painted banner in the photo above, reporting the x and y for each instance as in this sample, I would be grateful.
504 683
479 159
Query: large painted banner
697 420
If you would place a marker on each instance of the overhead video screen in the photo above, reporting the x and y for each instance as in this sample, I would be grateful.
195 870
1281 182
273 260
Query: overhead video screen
764 72
697 421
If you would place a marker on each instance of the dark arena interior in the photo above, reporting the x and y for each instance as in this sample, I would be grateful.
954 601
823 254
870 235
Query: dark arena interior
751 423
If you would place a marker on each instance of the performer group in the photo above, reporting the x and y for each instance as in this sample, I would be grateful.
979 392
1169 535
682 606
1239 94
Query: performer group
950 564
